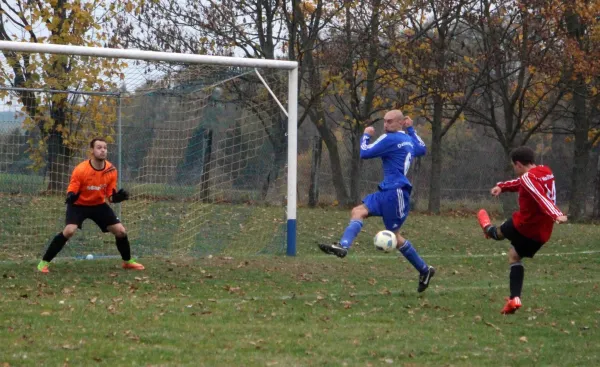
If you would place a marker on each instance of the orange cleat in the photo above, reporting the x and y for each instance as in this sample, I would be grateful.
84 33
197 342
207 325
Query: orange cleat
132 264
511 306
43 267
484 221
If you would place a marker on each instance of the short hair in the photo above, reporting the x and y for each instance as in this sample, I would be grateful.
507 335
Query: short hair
95 140
523 154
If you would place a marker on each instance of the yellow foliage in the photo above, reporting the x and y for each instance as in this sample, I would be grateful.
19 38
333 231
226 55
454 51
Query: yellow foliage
71 22
308 7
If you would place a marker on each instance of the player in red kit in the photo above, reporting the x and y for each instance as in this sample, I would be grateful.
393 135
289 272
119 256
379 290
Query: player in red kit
530 227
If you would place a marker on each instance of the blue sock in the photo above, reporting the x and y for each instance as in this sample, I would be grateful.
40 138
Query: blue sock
351 232
413 257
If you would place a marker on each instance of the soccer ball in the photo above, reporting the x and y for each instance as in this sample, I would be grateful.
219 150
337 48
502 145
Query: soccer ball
385 241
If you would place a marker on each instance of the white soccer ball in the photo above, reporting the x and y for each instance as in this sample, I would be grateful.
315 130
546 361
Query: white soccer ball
385 241
89 257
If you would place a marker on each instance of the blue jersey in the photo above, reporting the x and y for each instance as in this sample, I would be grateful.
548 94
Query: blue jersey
396 151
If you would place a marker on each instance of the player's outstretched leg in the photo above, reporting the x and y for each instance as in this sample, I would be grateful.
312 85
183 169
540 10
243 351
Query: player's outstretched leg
489 230
57 244
426 272
122 242
484 221
341 248
424 278
333 249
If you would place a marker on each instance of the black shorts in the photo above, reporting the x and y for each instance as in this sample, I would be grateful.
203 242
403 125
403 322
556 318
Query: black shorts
102 215
525 247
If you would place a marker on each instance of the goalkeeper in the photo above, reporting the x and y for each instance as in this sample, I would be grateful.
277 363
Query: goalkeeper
92 182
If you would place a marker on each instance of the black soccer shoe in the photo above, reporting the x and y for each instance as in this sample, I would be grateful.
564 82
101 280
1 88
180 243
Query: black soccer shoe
425 278
333 249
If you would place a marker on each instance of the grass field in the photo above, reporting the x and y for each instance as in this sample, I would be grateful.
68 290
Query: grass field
312 310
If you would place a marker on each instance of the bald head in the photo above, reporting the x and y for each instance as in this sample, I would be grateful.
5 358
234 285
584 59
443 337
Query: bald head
397 114
393 121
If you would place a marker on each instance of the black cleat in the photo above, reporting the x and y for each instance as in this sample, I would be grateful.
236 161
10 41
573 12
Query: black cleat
333 249
425 278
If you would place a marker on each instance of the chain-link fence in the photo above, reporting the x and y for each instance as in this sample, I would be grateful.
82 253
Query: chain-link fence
469 171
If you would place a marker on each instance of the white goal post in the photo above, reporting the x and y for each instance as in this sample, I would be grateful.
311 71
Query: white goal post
292 97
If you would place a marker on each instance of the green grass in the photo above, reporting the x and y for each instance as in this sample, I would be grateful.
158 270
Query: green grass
160 227
33 184
235 309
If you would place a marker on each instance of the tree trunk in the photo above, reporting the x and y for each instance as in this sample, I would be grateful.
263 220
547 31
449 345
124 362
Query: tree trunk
59 157
315 168
414 179
273 175
206 166
578 181
355 173
337 175
436 157
581 155
559 160
597 196
327 135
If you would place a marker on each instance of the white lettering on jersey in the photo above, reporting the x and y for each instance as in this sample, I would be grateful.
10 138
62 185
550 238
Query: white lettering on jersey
96 188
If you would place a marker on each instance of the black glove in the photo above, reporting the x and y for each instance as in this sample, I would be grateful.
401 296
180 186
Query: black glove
117 197
71 198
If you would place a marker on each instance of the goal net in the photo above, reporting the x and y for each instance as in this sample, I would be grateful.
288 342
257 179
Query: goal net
203 144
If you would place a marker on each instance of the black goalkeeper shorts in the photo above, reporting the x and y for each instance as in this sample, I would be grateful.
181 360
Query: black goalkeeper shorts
102 215
525 247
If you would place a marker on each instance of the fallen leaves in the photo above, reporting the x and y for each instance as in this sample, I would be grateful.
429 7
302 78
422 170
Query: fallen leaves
492 325
347 304
232 289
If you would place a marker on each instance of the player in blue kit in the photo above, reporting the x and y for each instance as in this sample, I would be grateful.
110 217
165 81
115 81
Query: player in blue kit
396 148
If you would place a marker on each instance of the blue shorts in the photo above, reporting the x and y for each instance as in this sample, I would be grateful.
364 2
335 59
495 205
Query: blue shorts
393 205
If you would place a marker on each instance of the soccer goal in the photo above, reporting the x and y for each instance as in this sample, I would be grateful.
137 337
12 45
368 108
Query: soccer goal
206 145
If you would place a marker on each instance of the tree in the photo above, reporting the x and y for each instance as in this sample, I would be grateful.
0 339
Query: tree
254 28
257 29
358 62
439 71
305 22
63 119
518 95
578 27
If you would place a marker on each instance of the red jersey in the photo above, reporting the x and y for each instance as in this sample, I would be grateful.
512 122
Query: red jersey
93 185
537 203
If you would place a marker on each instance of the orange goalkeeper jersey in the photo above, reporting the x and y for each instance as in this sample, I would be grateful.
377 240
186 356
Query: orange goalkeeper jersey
92 185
